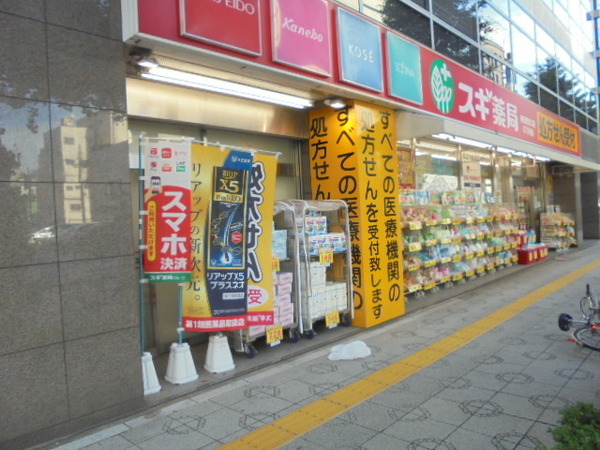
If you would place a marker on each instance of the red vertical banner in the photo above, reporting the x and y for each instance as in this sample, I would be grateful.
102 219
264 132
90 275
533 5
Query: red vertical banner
167 198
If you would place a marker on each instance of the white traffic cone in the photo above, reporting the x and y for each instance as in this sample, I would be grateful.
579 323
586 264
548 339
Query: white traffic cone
151 384
181 368
218 356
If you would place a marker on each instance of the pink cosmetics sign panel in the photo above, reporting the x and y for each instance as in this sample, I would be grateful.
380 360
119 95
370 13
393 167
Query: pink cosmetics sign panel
301 33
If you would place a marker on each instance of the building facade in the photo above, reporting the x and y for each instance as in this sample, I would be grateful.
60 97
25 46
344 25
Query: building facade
74 102
67 268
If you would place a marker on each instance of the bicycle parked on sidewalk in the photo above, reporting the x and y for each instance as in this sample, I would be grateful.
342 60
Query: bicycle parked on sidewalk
587 331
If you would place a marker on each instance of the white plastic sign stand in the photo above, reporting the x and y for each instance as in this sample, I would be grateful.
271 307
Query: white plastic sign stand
151 384
218 356
181 368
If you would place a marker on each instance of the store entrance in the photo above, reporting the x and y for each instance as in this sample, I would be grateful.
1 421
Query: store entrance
161 299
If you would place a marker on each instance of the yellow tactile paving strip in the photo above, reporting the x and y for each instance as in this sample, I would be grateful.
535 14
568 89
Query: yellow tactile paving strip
309 417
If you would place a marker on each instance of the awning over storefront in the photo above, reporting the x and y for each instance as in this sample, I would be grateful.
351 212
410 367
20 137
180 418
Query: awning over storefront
415 125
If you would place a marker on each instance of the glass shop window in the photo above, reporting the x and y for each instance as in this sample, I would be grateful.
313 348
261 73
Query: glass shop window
406 20
460 15
456 48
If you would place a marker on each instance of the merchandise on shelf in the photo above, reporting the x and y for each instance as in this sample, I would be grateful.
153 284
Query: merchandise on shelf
324 260
557 230
453 240
280 238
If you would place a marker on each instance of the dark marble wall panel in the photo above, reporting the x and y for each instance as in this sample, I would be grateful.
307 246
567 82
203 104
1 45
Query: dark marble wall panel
30 305
98 297
101 17
33 391
100 374
23 72
84 70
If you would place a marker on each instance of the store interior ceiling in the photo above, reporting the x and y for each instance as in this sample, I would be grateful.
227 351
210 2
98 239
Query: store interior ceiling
446 147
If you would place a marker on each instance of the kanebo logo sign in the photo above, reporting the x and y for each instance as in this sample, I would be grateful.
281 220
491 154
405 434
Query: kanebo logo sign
442 86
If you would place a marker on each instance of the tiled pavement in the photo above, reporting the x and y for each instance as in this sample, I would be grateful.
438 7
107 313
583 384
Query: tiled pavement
503 390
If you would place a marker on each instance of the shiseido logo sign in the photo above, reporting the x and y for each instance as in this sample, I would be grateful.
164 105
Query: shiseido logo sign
239 5
234 24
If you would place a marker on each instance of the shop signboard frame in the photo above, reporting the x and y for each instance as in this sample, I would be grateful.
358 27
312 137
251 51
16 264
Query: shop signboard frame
477 101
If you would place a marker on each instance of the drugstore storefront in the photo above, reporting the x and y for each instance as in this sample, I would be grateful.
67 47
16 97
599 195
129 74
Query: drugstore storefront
451 130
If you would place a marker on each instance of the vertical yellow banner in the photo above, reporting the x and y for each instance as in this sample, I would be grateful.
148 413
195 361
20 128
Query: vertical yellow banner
261 204
353 158
198 311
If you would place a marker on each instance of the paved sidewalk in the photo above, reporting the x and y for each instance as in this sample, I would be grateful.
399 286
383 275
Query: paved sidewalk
503 390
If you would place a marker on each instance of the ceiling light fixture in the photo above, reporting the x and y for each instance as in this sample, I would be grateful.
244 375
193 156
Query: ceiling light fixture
148 63
197 81
444 157
460 140
335 103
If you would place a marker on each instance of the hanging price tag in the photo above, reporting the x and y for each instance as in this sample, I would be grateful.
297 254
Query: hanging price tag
414 288
276 267
326 257
414 247
415 225
332 319
274 334
428 286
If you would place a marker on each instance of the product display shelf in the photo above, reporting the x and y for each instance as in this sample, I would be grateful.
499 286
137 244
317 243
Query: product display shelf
557 230
285 279
447 245
325 279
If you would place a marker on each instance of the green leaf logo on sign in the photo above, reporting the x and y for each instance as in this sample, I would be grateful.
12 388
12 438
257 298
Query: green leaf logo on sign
442 86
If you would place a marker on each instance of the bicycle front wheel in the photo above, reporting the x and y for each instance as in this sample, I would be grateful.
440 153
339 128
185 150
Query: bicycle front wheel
588 337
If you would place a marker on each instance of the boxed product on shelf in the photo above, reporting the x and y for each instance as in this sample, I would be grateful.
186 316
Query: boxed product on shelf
337 241
315 225
316 244
284 277
283 289
317 274
256 331
331 297
284 312
280 238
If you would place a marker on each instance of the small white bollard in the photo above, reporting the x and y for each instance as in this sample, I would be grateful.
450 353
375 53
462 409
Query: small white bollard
150 379
218 356
181 368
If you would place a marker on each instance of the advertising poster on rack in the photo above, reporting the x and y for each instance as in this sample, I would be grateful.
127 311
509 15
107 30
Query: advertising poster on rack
354 158
167 201
215 299
223 232
471 174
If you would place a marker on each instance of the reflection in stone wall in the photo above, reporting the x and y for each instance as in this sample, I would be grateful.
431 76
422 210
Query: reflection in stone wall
69 345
